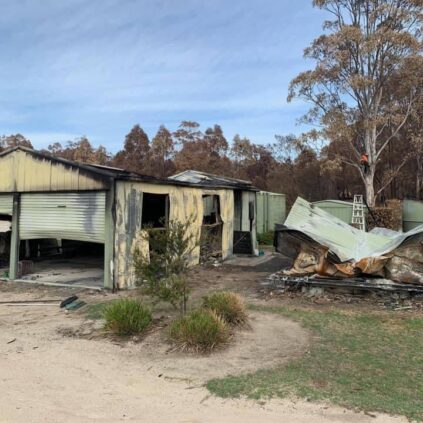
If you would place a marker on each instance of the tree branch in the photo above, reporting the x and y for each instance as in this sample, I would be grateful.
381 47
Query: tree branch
390 179
394 134
349 163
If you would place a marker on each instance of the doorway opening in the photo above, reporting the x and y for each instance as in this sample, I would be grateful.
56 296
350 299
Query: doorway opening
244 215
211 230
237 210
74 263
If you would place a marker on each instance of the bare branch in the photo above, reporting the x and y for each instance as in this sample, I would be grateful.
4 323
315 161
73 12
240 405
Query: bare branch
395 133
394 175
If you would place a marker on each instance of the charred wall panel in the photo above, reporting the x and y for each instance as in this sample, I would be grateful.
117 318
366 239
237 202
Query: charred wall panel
184 203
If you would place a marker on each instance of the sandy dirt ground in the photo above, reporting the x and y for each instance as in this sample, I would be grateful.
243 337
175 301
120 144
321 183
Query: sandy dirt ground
54 367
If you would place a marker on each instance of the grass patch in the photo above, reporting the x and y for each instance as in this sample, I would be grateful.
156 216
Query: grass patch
227 305
126 317
201 331
364 361
266 238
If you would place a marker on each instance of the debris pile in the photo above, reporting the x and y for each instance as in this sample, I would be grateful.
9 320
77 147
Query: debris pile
327 291
323 245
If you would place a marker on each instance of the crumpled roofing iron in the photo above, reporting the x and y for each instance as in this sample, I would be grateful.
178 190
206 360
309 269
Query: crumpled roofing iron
347 242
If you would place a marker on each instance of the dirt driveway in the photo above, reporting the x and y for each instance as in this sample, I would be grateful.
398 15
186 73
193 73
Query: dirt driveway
48 375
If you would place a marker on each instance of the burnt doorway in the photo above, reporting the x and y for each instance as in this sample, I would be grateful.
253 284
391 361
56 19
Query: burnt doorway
211 230
244 215
237 210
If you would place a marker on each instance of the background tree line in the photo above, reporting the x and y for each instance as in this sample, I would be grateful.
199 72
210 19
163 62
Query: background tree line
290 164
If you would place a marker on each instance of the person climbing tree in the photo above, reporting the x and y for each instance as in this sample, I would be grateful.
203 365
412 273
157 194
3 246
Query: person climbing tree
365 162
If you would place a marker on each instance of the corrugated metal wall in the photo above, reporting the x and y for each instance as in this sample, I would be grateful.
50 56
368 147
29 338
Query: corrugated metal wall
412 214
340 209
78 216
6 204
271 209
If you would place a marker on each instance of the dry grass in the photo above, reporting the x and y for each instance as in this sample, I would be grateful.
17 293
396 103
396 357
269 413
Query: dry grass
126 316
227 305
199 331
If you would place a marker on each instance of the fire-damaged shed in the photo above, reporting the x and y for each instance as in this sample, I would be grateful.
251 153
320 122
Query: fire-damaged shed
54 207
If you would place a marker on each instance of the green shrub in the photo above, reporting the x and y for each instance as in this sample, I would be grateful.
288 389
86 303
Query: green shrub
161 271
266 238
228 305
127 317
200 331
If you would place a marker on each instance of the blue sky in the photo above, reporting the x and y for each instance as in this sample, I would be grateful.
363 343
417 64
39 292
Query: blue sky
75 67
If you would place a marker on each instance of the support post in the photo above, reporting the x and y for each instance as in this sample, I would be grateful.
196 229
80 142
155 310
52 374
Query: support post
14 243
253 230
109 238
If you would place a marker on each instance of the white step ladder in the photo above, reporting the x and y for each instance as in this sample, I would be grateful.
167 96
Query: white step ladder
358 218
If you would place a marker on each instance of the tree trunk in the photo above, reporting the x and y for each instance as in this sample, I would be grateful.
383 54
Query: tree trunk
369 186
369 175
419 177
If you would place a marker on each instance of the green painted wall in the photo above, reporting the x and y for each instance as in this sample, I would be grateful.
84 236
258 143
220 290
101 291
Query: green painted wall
340 209
271 209
412 214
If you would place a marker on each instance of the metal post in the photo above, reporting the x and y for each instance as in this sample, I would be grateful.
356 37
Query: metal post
109 243
14 243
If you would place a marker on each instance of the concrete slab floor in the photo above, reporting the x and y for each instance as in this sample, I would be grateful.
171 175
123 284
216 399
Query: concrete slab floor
249 261
87 271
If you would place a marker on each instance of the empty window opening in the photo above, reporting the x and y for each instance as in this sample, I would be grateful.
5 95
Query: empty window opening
211 231
211 210
155 210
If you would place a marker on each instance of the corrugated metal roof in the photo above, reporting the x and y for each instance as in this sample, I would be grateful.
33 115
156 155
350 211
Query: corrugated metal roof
208 179
341 203
347 242
271 193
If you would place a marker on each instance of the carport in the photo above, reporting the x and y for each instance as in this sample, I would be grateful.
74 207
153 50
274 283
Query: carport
57 209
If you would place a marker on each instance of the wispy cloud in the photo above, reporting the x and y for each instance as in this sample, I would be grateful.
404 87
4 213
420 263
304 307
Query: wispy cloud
74 67
44 139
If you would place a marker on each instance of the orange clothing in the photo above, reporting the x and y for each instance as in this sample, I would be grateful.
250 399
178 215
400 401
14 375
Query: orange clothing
364 159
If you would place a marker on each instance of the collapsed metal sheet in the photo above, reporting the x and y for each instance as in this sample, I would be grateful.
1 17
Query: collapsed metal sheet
321 244
347 242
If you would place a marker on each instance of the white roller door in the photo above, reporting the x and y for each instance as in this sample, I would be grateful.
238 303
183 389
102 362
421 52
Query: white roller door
76 216
6 204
